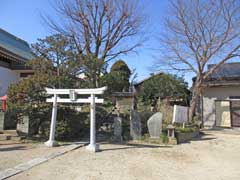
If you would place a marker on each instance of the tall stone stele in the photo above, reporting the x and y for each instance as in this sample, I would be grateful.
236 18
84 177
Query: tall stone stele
135 125
154 124
2 121
117 129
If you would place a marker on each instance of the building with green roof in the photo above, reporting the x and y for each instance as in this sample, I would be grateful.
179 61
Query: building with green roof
14 53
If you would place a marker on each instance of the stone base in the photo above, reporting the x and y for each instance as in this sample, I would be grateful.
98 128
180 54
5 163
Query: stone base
50 143
172 141
93 147
154 138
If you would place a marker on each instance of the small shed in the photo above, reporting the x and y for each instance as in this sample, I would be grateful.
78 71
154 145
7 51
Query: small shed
221 97
123 101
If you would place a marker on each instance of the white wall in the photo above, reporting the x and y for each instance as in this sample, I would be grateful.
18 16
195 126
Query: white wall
7 77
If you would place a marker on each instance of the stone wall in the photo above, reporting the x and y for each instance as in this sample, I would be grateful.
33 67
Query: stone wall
185 137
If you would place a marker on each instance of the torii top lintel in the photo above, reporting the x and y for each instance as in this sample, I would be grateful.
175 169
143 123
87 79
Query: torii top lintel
77 91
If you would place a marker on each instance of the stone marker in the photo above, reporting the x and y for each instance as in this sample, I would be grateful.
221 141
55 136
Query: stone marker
23 127
117 129
2 121
155 125
135 125
180 114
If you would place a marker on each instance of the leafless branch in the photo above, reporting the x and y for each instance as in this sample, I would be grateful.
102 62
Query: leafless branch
199 33
103 28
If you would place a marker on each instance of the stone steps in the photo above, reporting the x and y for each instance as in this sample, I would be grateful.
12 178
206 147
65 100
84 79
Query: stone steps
9 135
10 132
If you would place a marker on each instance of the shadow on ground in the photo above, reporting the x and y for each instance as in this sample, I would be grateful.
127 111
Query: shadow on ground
12 143
74 142
201 137
14 148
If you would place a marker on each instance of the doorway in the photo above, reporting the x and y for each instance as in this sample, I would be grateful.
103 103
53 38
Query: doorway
223 115
235 113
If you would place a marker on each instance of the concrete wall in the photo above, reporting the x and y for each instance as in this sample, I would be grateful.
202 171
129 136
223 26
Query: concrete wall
210 95
7 77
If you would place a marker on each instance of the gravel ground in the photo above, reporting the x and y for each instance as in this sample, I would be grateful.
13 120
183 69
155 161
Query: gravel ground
214 157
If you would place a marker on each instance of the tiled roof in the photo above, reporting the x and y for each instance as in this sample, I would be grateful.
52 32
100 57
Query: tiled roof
142 81
227 70
15 45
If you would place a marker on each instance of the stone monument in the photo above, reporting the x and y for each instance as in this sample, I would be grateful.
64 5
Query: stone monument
23 126
155 125
2 121
180 114
135 125
117 129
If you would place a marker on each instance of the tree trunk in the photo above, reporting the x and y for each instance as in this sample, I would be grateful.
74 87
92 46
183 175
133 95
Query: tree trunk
192 108
195 97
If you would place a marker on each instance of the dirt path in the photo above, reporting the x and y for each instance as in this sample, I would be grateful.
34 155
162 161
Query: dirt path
215 157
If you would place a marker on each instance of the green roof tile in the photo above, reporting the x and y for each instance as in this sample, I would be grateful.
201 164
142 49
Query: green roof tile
15 45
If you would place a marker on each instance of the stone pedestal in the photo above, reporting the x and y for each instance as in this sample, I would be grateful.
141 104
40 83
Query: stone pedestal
50 143
155 125
135 125
117 129
93 147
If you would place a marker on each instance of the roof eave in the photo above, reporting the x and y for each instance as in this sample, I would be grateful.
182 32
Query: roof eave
10 55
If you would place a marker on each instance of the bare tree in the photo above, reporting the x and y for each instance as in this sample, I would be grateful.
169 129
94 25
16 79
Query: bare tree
199 33
101 29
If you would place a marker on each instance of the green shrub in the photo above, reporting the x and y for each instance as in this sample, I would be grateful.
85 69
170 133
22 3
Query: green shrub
164 138
126 135
145 115
63 130
11 118
167 112
71 124
126 126
185 130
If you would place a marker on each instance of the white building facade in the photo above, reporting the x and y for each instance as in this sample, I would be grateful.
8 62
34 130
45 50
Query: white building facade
221 98
14 53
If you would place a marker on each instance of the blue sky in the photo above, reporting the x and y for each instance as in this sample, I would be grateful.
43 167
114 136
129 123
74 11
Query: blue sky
23 19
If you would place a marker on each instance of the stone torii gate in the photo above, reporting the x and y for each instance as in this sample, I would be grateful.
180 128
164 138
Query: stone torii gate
73 99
